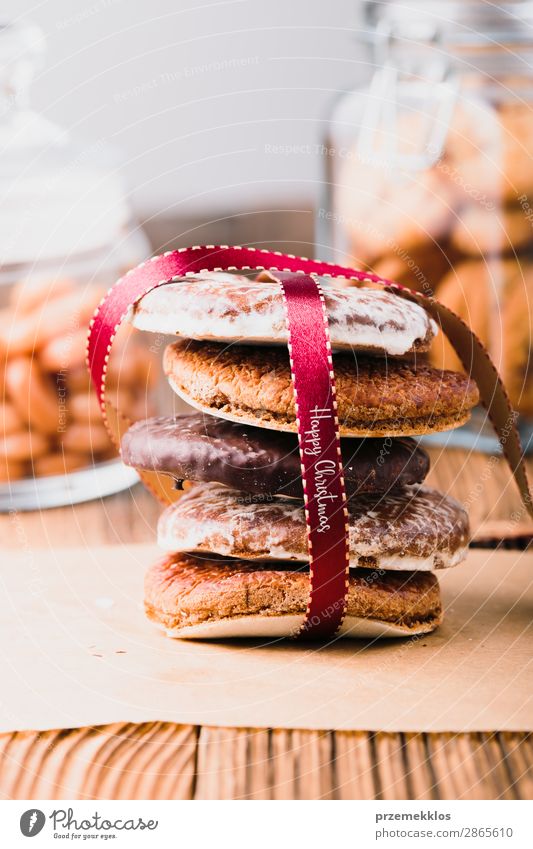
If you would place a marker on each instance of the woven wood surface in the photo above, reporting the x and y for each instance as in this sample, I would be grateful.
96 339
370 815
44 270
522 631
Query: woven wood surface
165 761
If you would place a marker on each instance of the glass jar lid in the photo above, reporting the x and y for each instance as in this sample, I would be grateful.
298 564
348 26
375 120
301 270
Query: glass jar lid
460 23
58 197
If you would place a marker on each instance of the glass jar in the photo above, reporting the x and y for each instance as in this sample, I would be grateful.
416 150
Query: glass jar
66 234
429 174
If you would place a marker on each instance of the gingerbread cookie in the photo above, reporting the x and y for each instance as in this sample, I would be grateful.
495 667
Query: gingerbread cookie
375 397
229 308
415 528
191 597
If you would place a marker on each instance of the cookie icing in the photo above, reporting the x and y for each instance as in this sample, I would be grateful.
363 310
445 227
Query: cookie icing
228 307
414 529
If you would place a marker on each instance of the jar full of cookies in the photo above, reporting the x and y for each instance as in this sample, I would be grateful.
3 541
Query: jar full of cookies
66 235
428 165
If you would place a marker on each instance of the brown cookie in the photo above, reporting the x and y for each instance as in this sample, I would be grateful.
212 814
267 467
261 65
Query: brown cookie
517 334
516 120
206 448
386 210
209 599
495 299
375 397
491 231
420 269
416 528
487 155
466 291
229 308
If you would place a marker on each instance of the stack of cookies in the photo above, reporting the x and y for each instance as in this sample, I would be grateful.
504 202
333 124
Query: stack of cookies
236 558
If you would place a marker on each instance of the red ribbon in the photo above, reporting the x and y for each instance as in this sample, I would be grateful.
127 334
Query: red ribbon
314 385
326 514
162 269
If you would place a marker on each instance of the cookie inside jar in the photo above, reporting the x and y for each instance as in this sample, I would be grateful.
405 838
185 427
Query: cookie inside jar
67 235
429 173
51 424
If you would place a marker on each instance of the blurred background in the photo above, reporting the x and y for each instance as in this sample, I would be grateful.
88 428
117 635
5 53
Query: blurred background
214 107
390 136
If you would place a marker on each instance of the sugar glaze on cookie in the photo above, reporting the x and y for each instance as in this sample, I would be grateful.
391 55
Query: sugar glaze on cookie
416 528
229 307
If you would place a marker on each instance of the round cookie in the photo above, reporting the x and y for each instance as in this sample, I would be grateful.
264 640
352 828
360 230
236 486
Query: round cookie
517 131
464 290
32 394
495 299
420 269
375 397
229 307
206 448
197 598
516 333
491 232
487 153
416 528
386 210
472 156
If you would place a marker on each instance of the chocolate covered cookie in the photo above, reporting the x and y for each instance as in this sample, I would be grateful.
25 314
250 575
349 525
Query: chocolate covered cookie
375 397
230 307
193 597
205 448
416 528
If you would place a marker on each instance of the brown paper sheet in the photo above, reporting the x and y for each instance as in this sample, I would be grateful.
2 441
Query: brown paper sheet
76 650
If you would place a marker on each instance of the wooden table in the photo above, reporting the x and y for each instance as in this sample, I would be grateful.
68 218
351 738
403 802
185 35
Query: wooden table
164 761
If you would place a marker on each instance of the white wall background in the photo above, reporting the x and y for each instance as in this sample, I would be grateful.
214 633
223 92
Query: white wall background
196 94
